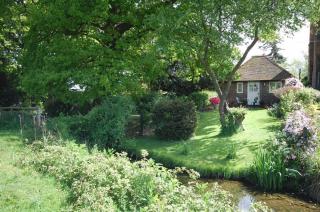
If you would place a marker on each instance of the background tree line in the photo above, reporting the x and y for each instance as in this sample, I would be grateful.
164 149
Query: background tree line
76 52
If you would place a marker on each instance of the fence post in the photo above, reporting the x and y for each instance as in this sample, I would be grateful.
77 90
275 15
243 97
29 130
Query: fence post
20 121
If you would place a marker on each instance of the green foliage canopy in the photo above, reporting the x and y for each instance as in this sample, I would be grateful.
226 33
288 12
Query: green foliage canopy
12 30
210 32
96 47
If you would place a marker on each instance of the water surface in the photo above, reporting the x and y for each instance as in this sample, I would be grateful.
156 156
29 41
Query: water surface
244 196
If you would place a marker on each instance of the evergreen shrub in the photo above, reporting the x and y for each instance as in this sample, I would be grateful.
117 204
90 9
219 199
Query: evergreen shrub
200 100
105 124
234 119
174 118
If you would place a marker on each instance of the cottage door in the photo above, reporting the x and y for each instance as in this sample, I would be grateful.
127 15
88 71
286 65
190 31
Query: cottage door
253 93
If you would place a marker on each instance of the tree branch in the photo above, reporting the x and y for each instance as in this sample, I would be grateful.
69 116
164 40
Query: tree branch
237 66
245 54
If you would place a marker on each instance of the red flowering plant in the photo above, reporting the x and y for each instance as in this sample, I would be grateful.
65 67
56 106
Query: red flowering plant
214 101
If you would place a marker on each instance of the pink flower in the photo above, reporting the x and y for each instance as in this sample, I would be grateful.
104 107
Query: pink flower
215 100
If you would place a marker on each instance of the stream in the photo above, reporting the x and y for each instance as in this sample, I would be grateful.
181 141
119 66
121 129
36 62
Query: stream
244 196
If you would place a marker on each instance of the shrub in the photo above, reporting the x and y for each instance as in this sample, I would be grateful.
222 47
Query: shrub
108 182
313 180
289 103
64 127
144 105
104 125
200 100
275 111
292 149
234 119
174 119
300 134
292 98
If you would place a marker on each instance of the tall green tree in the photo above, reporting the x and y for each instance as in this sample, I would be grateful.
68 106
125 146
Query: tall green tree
79 50
12 31
209 32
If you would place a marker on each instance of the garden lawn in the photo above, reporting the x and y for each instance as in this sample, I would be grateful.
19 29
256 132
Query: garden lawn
207 151
23 189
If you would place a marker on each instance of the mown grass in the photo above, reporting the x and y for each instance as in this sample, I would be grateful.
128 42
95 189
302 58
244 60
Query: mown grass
208 151
22 189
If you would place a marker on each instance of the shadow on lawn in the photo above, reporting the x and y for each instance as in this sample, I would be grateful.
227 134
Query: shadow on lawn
208 150
273 128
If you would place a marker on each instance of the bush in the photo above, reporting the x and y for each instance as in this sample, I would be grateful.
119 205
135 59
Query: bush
275 111
292 150
108 182
313 180
144 105
174 119
200 100
104 125
64 127
300 135
234 119
292 98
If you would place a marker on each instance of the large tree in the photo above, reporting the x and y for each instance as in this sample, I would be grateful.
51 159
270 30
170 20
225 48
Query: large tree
209 32
79 50
12 31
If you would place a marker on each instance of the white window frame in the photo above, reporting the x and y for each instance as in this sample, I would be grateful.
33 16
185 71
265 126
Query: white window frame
239 83
277 85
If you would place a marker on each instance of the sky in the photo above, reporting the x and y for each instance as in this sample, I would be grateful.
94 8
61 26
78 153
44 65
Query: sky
293 46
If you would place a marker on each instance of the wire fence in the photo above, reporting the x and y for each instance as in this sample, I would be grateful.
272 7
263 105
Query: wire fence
30 121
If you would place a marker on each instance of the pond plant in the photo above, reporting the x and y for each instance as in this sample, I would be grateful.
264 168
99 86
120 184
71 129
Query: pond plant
285 160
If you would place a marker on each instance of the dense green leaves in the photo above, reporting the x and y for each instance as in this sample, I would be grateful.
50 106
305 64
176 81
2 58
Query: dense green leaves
12 30
104 125
174 118
208 33
80 50
107 182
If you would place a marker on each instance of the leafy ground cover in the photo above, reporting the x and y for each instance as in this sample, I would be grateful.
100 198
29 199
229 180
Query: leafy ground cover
22 189
208 152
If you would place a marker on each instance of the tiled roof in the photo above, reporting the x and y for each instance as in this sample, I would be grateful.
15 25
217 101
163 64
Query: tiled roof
261 68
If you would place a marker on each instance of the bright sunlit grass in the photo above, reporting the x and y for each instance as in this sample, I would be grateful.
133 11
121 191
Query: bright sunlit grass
22 189
207 151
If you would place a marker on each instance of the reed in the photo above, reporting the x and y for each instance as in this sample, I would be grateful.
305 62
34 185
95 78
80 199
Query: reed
269 170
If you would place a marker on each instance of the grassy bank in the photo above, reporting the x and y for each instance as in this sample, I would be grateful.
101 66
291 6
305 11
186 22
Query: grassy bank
207 151
23 189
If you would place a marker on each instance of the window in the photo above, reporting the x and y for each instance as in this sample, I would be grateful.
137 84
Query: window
274 86
240 87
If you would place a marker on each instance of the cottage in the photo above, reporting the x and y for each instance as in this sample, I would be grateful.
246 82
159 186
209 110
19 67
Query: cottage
258 78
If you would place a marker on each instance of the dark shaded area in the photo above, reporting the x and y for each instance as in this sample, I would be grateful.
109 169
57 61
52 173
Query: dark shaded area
182 80
9 94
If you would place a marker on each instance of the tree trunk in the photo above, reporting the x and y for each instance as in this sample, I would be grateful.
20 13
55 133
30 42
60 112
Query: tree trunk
223 110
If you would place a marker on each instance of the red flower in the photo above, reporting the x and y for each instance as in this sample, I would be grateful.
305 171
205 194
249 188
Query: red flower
215 100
